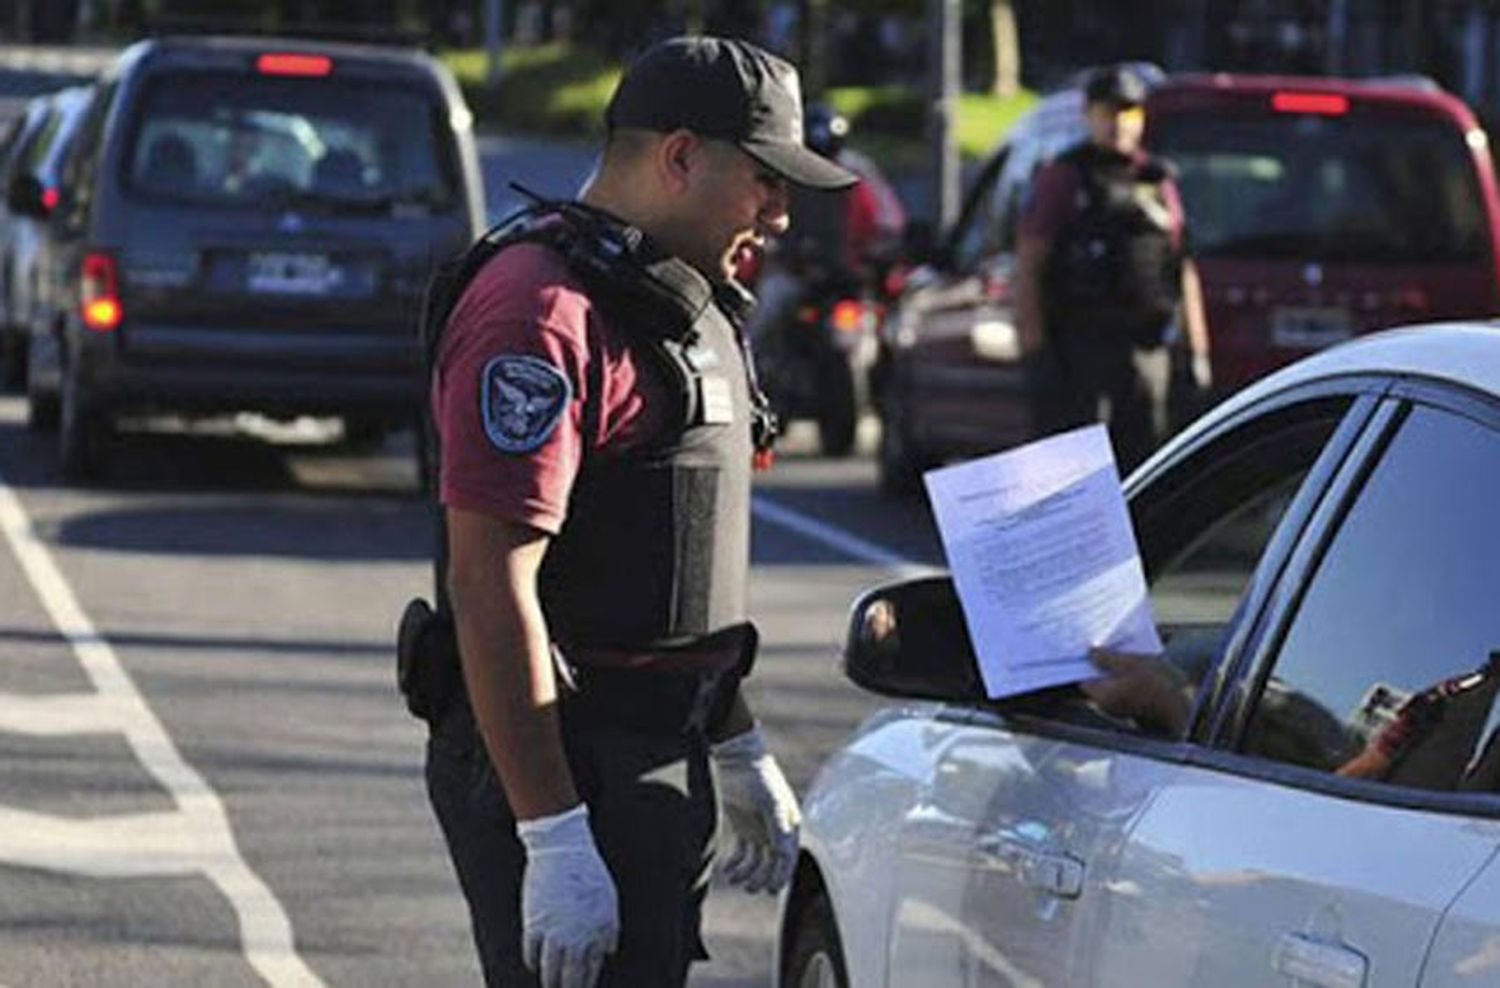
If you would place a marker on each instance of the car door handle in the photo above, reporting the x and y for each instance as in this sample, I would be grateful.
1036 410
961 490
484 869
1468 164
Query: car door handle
1315 962
1053 872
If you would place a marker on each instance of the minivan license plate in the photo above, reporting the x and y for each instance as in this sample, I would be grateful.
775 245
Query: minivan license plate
292 274
1309 326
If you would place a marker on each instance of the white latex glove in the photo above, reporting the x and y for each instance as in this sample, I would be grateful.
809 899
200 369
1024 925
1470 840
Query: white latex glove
570 914
762 811
1203 371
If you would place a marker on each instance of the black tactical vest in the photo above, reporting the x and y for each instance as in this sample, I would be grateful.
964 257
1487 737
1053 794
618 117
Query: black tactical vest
654 549
1114 272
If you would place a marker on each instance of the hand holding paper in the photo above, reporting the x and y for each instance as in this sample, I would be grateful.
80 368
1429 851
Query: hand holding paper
1044 560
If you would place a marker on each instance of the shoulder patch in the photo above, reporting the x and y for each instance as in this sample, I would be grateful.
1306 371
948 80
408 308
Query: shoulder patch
522 398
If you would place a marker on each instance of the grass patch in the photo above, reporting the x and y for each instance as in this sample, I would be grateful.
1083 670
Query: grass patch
552 89
561 90
888 117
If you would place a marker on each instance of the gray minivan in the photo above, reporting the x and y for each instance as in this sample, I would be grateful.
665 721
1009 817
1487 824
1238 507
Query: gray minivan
248 224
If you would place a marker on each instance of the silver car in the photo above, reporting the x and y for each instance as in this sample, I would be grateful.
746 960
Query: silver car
1323 553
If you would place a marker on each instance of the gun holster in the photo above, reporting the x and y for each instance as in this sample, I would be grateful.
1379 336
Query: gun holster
427 668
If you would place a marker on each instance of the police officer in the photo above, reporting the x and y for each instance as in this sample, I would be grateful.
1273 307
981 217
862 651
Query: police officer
1102 279
595 415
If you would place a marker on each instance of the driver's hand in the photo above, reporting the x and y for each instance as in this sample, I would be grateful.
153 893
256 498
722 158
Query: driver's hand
1143 688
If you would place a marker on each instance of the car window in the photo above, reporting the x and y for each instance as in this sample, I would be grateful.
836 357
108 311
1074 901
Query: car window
1329 188
9 142
36 146
67 136
78 167
1206 523
977 235
1388 670
1203 543
253 141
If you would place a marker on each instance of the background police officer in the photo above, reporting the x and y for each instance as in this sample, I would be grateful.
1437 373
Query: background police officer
595 419
1102 279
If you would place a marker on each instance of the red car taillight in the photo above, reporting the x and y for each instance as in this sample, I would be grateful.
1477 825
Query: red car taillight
99 292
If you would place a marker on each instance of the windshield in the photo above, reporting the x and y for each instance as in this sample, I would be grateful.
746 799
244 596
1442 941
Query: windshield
1326 188
245 140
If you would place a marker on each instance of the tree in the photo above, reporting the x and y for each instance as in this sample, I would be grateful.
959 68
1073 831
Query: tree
1006 79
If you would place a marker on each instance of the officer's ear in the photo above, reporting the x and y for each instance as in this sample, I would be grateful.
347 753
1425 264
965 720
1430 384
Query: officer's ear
676 157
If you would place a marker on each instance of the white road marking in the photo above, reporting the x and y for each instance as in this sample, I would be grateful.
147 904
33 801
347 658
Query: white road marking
836 539
196 838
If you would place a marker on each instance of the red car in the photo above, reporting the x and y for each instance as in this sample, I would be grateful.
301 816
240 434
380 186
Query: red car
1322 208
1317 209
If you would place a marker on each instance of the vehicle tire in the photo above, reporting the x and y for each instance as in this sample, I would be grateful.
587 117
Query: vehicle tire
838 407
12 360
899 466
426 456
361 433
816 958
83 430
41 405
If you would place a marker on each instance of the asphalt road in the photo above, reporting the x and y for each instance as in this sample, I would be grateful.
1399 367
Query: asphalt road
209 777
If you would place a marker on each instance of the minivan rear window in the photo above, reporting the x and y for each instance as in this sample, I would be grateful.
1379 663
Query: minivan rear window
1351 188
322 143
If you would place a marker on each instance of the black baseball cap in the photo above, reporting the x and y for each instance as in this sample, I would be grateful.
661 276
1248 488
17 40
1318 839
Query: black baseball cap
728 90
1118 85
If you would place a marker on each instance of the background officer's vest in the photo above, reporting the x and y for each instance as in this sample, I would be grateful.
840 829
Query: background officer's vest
1114 273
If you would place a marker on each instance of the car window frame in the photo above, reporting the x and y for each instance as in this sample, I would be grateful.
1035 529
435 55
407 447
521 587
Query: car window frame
1180 472
79 173
1222 748
973 211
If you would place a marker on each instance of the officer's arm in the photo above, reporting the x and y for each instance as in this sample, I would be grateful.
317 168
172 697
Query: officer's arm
1031 260
507 659
1193 317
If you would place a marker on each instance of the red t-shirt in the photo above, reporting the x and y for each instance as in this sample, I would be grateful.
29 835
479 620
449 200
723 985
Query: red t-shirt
1054 199
513 376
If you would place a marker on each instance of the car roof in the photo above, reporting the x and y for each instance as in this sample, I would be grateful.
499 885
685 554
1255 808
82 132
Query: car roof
1465 354
234 50
1461 353
1202 90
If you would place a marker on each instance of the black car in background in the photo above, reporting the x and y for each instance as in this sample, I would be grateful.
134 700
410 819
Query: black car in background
248 224
36 146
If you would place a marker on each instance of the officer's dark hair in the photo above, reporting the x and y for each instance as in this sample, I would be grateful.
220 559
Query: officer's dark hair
628 143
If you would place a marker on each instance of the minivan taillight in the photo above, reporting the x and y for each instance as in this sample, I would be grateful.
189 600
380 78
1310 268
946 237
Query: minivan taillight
99 292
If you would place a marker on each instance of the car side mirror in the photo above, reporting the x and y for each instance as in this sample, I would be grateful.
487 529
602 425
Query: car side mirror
26 197
909 639
919 242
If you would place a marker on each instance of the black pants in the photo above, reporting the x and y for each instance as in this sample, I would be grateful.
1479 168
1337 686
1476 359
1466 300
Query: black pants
653 813
1082 379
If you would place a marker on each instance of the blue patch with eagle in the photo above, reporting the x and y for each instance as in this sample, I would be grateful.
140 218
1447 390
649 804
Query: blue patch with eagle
521 401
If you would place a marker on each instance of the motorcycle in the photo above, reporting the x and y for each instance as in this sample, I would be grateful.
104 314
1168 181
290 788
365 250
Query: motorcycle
814 353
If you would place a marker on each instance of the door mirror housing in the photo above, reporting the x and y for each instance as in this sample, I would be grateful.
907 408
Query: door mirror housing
908 639
26 197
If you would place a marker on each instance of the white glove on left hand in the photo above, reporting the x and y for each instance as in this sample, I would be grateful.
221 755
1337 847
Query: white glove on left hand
1203 371
762 810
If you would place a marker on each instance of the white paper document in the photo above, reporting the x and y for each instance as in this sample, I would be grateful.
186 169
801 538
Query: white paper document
1044 560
